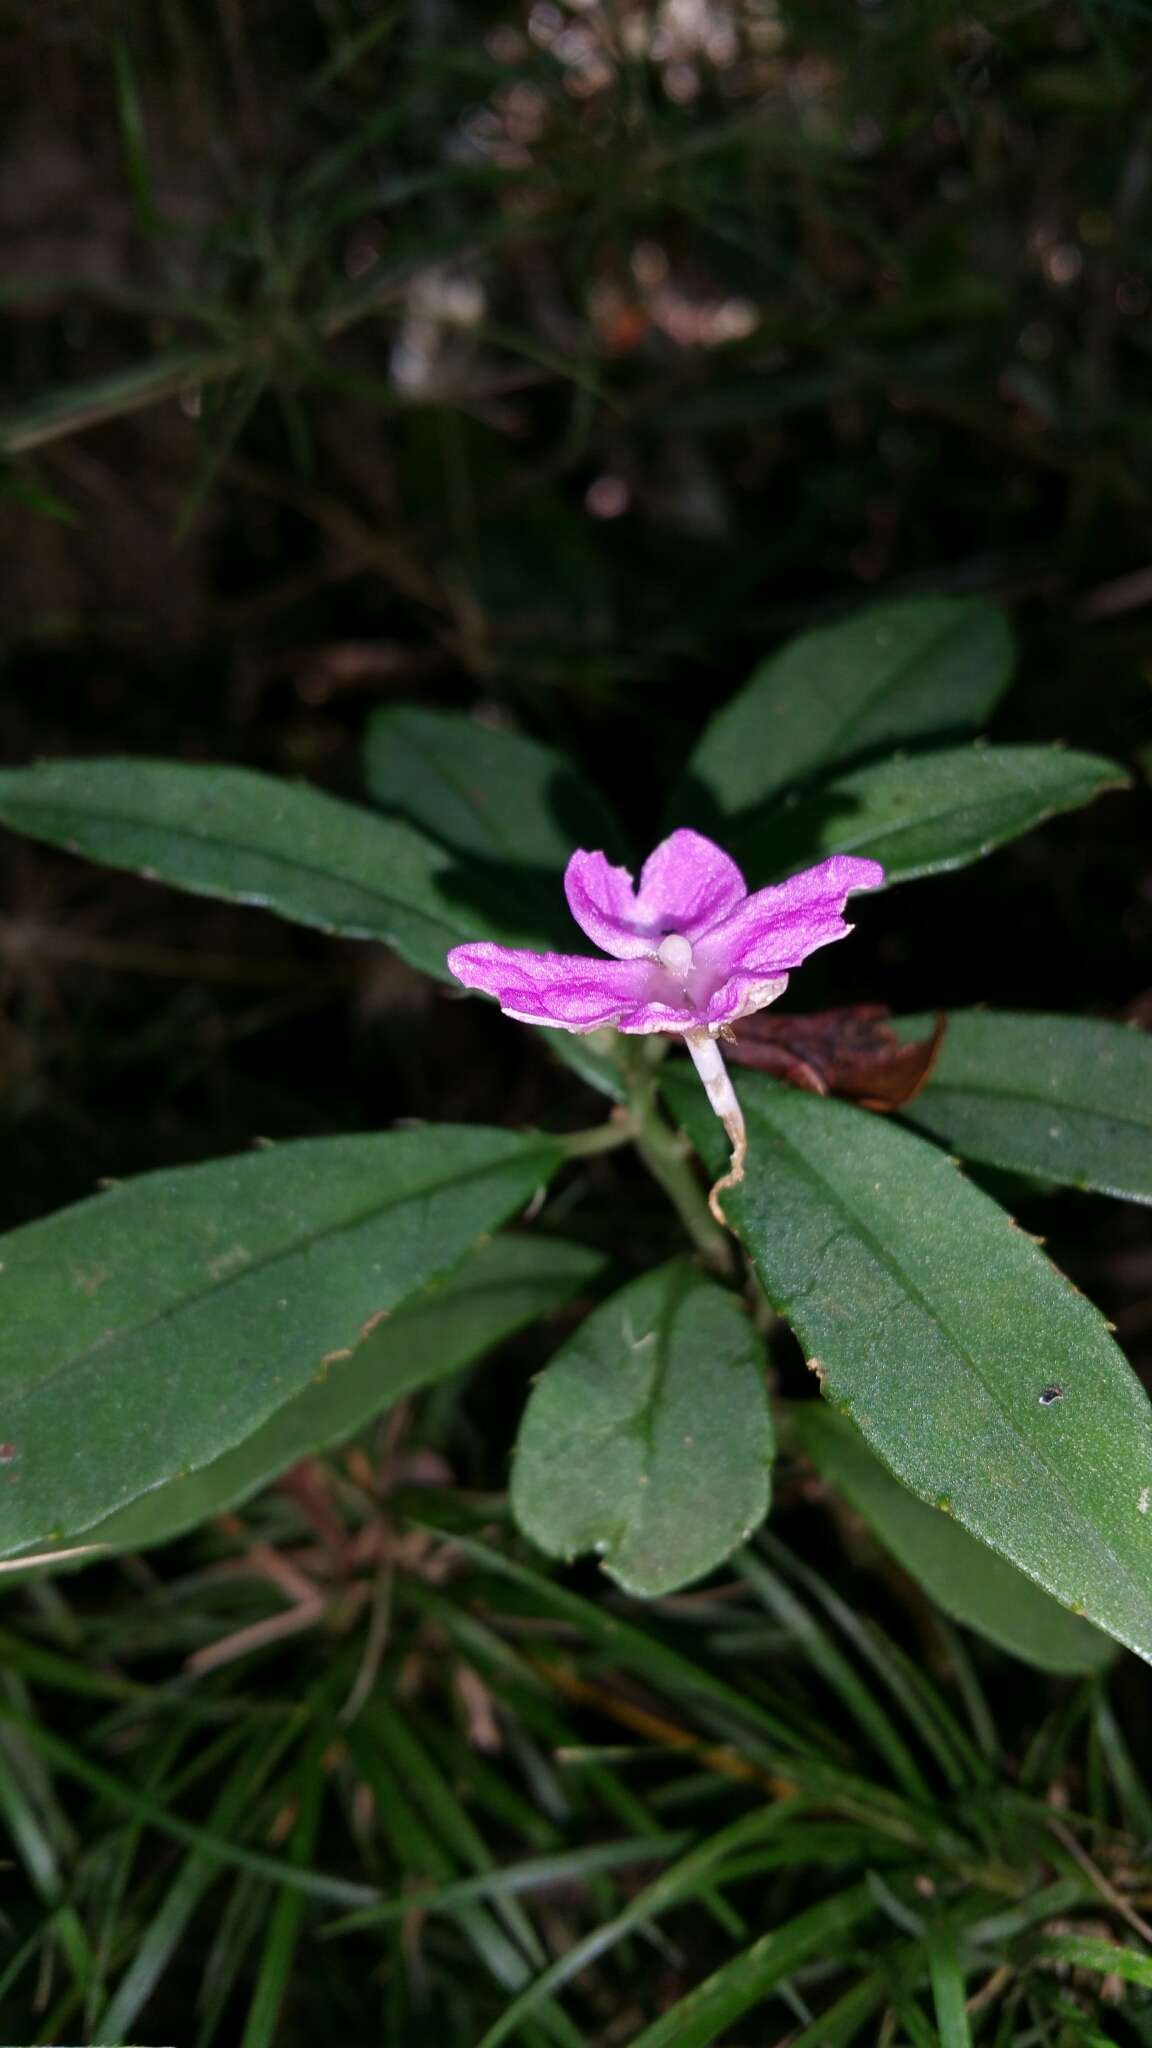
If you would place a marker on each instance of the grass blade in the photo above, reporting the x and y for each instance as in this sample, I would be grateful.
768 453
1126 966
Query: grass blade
160 1939
1085 1952
841 2022
284 1927
701 2017
272 1868
534 1874
837 1673
658 1897
948 1990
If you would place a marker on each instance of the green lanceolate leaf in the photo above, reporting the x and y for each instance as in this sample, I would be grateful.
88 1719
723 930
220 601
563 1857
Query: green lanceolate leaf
1065 1098
648 1439
962 1575
495 795
976 1371
926 813
252 838
152 1328
914 670
508 808
495 1291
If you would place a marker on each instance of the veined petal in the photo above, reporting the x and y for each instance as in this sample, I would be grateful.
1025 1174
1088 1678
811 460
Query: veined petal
686 886
663 1016
567 990
602 899
777 928
742 995
689 884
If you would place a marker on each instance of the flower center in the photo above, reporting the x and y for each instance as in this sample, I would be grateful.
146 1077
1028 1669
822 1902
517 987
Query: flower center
675 953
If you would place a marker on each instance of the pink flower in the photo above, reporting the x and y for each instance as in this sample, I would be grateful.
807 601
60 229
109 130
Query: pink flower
690 951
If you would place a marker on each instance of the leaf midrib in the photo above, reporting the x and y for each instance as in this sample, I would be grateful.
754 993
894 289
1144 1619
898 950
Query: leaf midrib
623 1530
290 864
1018 790
891 1265
844 737
270 1260
675 1292
937 1087
897 682
503 841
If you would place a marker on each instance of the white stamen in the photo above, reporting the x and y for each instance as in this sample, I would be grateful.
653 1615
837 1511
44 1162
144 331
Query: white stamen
675 953
721 1094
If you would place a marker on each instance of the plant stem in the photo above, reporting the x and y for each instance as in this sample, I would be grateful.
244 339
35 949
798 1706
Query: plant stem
620 1129
669 1160
666 1155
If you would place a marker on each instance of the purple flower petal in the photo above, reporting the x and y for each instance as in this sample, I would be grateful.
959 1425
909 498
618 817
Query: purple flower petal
742 994
567 990
689 884
777 928
692 951
664 1015
730 955
686 885
602 899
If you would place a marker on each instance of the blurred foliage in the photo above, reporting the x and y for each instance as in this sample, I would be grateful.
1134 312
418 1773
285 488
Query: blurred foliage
413 1787
578 348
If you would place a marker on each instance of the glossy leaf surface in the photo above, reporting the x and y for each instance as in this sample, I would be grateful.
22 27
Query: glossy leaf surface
150 1329
252 838
648 1439
1065 1098
512 811
975 1370
495 1291
896 672
924 814
482 791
